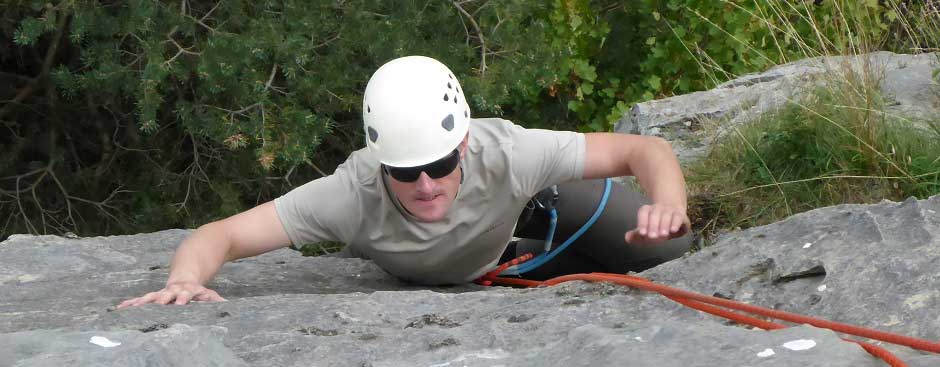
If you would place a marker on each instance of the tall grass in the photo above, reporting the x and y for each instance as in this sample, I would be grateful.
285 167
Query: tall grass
812 154
835 145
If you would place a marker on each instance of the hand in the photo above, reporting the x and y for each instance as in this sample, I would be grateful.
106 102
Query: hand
657 223
176 293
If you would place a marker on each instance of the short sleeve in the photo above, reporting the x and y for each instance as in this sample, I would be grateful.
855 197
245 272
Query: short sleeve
315 211
541 158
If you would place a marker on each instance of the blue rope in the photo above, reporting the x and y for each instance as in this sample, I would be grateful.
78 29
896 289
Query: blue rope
546 256
552 222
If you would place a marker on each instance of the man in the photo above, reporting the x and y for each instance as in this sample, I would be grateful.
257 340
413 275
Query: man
436 196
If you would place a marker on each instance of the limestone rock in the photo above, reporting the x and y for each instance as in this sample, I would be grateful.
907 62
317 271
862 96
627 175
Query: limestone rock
878 264
178 345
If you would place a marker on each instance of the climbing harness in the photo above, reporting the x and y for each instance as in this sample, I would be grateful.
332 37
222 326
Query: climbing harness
708 304
546 201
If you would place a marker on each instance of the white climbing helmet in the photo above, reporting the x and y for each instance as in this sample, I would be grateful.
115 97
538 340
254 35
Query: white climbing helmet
414 112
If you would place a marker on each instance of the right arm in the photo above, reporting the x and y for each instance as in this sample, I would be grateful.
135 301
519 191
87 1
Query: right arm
203 253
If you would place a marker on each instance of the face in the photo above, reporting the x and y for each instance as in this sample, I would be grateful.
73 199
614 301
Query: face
429 199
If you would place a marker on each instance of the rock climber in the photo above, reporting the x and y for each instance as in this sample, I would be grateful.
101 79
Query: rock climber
438 197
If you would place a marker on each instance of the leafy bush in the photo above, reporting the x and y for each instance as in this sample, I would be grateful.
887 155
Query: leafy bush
127 116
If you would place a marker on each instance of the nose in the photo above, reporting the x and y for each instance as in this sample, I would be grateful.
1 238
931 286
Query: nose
425 184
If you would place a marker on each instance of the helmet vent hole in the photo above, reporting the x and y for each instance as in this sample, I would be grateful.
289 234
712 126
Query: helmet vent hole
466 114
373 135
450 76
446 98
368 109
449 86
455 99
458 90
448 122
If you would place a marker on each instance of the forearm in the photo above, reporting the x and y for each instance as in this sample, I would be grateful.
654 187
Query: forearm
200 256
658 172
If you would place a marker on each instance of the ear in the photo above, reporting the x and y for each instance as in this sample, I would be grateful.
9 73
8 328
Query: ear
463 145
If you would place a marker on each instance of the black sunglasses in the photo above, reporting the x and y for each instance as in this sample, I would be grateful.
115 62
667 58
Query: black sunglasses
437 169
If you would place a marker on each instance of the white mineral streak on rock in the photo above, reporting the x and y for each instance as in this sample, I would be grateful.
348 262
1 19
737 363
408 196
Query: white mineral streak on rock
821 288
892 320
26 278
483 354
766 353
920 300
802 344
807 245
103 342
639 339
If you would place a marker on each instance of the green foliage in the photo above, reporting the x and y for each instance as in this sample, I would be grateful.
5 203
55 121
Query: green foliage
835 148
700 43
580 30
159 114
138 115
838 147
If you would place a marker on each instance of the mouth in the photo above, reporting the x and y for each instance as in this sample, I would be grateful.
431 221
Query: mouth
428 198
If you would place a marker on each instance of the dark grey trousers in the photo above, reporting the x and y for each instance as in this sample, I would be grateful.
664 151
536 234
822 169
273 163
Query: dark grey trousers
602 248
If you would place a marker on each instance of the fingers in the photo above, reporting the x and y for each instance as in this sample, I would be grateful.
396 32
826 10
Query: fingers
652 225
649 219
683 225
677 221
665 223
165 297
209 296
642 219
174 294
657 223
183 297
147 298
631 236
128 303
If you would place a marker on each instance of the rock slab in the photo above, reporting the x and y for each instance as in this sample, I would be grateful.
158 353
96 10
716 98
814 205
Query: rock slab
871 265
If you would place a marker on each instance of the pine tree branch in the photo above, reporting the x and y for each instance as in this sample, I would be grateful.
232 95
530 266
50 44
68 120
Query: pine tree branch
18 77
201 21
476 27
34 84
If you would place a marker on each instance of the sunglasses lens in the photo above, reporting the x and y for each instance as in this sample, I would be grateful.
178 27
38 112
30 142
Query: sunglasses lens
444 166
436 169
404 174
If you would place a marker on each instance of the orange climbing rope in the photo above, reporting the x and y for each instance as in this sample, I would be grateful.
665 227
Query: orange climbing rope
707 304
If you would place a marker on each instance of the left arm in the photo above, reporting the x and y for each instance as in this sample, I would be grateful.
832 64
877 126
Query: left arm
655 166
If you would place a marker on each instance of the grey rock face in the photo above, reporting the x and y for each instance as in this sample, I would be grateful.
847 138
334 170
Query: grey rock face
873 265
905 80
179 345
878 263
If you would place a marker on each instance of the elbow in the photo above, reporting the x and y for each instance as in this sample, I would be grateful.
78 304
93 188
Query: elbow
662 147
661 144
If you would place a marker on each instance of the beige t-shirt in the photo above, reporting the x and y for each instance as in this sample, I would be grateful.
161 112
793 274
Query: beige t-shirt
505 166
